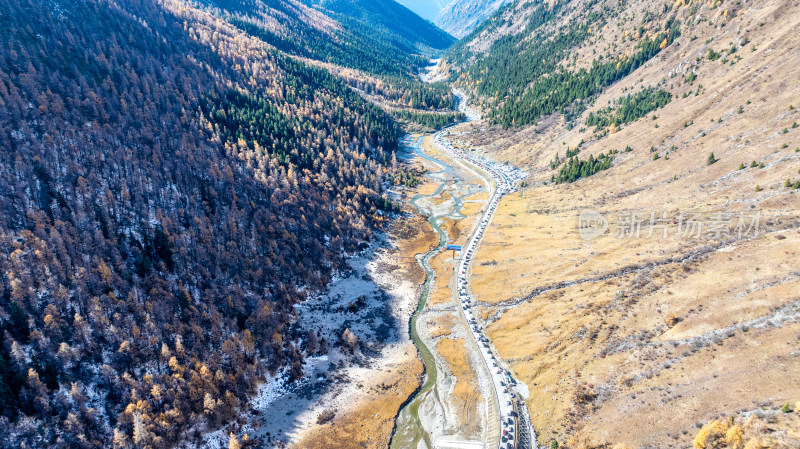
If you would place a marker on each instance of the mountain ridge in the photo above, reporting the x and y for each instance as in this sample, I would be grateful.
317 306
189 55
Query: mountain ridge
460 17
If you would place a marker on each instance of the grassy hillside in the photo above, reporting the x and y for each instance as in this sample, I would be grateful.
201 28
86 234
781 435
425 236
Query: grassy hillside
528 70
672 335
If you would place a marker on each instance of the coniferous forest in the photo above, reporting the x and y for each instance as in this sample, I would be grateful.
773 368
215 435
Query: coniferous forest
576 168
629 108
169 189
430 120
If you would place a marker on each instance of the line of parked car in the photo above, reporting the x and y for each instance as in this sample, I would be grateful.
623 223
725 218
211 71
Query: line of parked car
506 177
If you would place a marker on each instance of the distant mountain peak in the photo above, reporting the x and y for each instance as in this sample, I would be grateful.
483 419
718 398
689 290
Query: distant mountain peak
460 17
427 9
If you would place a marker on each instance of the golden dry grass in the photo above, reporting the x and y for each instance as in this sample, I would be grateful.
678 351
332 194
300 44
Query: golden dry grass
466 396
750 433
426 188
441 325
442 263
369 423
412 236
640 358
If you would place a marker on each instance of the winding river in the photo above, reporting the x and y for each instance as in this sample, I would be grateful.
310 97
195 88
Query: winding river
410 429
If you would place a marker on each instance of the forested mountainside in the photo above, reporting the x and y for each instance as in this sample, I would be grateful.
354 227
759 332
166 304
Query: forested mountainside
169 188
377 47
523 61
379 38
389 20
460 17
